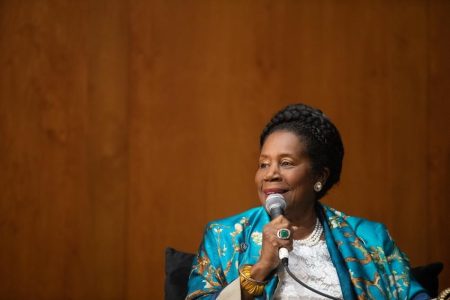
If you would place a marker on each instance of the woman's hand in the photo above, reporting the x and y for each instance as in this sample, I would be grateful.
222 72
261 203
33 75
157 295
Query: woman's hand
269 259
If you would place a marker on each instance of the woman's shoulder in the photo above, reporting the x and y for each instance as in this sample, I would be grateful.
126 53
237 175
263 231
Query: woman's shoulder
363 227
363 224
252 216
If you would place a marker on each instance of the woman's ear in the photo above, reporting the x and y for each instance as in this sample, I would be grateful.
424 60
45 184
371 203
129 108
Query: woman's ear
323 175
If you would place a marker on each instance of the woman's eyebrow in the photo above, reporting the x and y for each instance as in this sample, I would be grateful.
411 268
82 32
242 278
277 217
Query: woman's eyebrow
279 155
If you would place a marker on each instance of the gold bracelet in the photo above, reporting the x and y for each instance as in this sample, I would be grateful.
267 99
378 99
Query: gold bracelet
251 286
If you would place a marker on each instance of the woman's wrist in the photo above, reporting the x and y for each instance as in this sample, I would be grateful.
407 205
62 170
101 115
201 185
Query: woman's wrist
251 286
260 271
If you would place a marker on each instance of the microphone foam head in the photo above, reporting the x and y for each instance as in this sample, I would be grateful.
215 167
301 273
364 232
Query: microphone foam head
275 201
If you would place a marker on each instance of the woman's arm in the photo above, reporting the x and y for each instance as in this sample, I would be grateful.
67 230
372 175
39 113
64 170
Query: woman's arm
206 279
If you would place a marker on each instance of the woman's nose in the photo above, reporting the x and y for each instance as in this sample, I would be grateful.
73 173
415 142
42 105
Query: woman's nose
272 173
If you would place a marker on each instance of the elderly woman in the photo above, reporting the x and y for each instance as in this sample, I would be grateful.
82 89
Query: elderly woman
333 255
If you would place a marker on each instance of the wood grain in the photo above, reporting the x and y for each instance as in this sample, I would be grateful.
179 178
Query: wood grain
125 126
438 141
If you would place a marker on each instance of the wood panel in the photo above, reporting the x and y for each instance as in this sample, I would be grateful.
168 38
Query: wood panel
438 138
64 154
41 130
125 126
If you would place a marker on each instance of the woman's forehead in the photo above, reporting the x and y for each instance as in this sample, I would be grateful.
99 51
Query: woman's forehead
283 142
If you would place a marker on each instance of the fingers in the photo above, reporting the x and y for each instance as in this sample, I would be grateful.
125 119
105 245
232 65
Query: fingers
272 243
271 230
280 222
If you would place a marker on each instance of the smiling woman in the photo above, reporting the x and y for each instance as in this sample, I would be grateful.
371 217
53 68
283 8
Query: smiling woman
343 256
285 168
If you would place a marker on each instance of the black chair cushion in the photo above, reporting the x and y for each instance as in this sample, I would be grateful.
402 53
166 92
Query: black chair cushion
427 276
178 267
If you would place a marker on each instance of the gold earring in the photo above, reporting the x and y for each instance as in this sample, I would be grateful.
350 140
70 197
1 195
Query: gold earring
318 186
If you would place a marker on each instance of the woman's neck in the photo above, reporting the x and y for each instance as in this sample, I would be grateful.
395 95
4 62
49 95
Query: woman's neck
303 221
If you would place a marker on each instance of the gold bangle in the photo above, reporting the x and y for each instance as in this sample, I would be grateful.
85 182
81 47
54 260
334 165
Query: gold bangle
251 286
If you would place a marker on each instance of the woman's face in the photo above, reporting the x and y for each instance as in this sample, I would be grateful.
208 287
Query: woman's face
285 168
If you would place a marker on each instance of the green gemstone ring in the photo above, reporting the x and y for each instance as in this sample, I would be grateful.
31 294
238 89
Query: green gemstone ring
283 234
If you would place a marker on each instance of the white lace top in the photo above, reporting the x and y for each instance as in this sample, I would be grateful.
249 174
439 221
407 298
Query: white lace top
313 266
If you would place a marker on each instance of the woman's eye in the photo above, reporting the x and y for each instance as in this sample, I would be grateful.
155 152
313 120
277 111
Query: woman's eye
286 163
263 165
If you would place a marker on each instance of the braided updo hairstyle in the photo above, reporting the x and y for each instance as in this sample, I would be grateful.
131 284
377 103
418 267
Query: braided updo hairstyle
321 138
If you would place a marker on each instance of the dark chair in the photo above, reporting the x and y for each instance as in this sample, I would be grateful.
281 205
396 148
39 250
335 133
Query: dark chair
427 276
178 267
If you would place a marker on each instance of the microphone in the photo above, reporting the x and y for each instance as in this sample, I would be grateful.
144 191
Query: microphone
275 206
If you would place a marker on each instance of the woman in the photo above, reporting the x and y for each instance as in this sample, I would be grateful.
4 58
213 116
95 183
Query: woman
341 256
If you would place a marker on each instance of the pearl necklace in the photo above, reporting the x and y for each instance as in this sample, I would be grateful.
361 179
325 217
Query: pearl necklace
314 238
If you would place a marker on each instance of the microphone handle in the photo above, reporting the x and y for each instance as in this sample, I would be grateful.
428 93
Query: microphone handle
276 211
283 253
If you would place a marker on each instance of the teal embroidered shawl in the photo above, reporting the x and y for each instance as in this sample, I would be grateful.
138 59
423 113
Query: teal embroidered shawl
367 260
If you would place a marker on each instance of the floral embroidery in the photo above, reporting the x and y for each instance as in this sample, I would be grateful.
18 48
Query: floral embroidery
257 238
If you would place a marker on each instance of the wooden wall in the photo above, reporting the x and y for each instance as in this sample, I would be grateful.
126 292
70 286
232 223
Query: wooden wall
126 125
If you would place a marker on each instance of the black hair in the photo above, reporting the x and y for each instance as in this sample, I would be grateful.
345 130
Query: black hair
322 139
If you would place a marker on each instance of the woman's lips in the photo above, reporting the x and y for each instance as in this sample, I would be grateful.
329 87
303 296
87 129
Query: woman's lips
274 191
